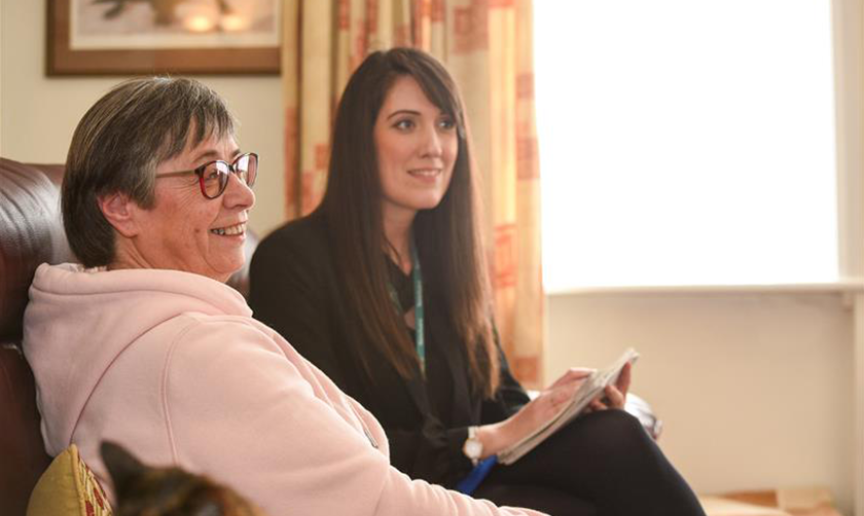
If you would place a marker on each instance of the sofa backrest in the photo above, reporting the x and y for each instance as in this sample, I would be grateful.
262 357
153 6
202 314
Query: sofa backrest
31 232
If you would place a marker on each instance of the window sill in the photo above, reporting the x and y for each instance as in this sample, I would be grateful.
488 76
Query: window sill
844 287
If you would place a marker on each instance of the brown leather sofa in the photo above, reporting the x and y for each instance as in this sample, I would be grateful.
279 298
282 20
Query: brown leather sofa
31 232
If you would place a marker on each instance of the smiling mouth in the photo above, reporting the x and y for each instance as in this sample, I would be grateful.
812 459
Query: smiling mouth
425 172
237 229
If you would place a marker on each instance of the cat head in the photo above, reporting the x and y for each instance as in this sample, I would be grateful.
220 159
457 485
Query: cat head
147 491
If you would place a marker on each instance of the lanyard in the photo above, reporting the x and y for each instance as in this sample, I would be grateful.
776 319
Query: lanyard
417 279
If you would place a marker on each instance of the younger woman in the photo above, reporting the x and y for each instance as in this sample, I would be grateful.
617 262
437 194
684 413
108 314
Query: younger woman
384 287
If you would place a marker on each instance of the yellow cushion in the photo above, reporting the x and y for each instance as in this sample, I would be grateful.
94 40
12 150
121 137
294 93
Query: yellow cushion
68 488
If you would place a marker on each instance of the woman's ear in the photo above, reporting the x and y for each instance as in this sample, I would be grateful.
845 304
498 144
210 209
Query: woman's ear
120 211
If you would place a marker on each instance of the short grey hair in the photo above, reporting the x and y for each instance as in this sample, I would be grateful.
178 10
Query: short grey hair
118 144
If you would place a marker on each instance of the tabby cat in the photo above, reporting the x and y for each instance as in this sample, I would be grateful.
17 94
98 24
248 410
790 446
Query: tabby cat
146 491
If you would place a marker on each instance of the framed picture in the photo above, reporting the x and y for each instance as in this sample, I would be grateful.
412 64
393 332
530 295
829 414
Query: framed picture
144 37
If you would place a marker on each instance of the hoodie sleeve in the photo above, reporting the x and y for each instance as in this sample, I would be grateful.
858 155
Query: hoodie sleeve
239 410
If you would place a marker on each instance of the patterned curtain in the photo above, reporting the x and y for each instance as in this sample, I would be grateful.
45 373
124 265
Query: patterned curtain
487 46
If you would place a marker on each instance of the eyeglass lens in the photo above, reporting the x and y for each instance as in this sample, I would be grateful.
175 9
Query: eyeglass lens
214 178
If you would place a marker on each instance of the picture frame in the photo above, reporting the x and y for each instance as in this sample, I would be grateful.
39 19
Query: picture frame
150 37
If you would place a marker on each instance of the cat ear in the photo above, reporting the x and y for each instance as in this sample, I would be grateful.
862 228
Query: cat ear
122 465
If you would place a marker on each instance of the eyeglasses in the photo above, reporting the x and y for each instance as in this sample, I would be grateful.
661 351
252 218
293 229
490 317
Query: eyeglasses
213 177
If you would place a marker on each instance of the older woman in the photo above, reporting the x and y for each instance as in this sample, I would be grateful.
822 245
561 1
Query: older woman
144 345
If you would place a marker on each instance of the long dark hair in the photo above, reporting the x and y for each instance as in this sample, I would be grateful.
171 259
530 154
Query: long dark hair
448 236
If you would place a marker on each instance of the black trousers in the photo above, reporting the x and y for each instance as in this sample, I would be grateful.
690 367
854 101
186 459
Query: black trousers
602 464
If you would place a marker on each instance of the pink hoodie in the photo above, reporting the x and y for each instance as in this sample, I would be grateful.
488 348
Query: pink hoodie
171 365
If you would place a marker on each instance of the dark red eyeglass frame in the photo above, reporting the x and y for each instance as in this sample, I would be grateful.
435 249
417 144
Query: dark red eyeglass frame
251 173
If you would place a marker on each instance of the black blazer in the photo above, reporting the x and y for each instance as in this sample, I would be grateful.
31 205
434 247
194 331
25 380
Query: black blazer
296 291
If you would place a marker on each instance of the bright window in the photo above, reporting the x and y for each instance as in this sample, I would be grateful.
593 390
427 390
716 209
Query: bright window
686 142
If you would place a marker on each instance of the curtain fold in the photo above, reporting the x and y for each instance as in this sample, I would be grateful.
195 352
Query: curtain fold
487 46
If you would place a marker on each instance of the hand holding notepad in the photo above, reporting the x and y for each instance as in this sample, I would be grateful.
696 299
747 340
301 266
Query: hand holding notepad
592 387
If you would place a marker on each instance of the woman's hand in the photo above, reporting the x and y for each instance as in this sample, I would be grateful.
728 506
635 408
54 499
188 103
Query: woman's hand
615 396
500 436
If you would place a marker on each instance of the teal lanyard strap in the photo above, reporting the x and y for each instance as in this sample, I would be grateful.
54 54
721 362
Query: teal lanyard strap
419 326
420 340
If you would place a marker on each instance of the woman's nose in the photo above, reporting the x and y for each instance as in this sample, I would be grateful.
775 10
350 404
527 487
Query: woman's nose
238 193
432 143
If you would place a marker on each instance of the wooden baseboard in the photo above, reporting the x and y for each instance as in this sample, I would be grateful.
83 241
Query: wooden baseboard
808 501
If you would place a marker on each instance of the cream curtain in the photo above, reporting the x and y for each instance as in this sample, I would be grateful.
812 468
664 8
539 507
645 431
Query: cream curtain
487 46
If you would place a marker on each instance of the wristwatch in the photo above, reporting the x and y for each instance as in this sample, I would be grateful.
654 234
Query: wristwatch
473 448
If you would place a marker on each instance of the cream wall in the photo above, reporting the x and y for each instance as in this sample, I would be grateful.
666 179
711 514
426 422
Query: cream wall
2 8
39 113
755 390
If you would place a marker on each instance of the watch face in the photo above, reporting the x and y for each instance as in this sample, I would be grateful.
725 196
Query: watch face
473 448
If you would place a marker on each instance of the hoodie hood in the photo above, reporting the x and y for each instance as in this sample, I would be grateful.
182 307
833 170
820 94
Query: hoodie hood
79 320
